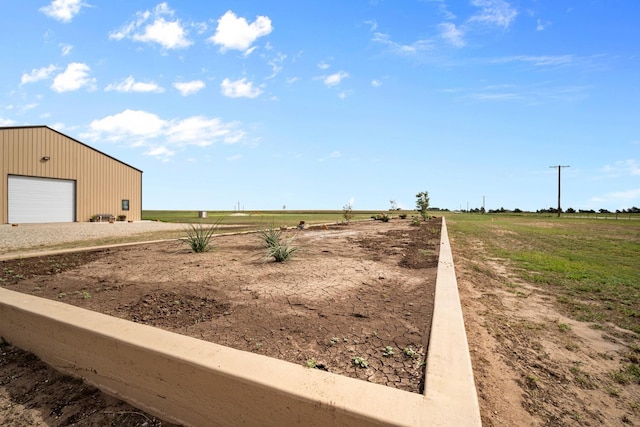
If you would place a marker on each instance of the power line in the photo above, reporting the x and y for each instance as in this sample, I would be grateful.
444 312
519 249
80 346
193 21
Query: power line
559 169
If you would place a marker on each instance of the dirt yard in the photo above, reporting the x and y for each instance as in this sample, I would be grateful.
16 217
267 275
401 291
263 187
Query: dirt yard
534 366
362 292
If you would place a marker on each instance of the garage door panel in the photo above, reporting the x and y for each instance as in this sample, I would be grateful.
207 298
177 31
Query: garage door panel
34 199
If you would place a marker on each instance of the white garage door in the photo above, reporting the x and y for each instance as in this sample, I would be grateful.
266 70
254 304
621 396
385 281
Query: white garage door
41 200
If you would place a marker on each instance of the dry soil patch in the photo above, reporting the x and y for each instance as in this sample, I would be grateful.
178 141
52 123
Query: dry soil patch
360 292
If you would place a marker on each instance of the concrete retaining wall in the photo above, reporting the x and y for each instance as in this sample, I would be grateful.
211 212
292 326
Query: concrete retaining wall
188 381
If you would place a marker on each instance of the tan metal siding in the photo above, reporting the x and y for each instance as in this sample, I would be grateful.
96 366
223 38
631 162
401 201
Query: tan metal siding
101 181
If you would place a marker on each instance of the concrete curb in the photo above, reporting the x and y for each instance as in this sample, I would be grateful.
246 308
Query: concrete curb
193 382
449 374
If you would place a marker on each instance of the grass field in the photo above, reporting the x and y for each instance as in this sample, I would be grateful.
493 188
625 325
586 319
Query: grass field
592 266
261 219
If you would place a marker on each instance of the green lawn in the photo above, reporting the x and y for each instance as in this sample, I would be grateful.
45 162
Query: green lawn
262 219
592 266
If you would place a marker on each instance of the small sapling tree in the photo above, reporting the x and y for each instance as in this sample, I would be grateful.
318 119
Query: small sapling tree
422 204
347 212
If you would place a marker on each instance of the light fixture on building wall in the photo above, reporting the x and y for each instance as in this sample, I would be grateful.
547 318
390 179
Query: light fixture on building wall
46 158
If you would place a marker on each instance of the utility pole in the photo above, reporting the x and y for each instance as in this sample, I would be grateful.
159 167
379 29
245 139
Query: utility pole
559 169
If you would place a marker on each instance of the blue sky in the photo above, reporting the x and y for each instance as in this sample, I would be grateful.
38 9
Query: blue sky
312 105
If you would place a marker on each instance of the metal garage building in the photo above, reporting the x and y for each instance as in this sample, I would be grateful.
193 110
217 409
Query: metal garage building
50 177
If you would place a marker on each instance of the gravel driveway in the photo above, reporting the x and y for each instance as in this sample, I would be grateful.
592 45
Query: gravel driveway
32 236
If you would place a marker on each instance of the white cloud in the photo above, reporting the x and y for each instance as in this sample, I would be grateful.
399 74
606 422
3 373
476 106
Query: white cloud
203 131
335 78
495 96
452 34
403 49
170 35
626 196
442 8
201 27
539 61
622 168
7 122
541 26
323 65
494 12
234 158
63 10
333 155
74 77
536 93
239 89
38 74
161 153
152 27
160 137
129 123
373 24
189 88
236 33
65 48
276 64
376 83
130 85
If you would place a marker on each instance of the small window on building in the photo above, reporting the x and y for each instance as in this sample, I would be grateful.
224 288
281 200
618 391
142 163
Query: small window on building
125 205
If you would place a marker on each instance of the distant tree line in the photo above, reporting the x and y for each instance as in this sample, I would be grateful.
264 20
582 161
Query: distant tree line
631 210
551 210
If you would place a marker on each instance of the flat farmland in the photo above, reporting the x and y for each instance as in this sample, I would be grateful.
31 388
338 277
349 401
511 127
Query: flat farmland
552 309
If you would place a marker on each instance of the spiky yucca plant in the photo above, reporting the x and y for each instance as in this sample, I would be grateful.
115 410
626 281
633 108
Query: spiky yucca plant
199 237
282 251
270 236
277 248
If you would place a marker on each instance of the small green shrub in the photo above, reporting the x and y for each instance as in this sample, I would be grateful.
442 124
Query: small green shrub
410 352
199 237
382 217
347 212
422 204
270 236
282 252
415 221
360 361
277 248
388 351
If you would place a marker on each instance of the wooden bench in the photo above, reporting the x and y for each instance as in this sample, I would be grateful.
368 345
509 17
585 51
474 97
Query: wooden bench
105 217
